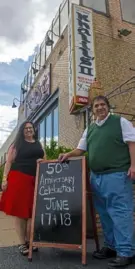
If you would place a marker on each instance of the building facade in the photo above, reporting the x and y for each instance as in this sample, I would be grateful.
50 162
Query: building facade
105 52
6 145
91 39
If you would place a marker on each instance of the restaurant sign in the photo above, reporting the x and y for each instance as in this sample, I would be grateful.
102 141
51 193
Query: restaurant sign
81 56
38 94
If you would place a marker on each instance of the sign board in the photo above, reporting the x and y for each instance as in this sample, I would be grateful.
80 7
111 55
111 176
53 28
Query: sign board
37 95
81 56
59 210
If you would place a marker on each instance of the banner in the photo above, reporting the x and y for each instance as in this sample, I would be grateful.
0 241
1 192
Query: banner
37 95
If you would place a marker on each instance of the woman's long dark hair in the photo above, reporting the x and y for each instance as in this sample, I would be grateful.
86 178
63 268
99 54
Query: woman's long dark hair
20 135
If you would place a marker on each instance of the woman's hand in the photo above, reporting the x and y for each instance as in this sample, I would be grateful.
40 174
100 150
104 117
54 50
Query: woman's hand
40 160
4 185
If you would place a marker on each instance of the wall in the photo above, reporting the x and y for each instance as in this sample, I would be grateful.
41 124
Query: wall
114 57
59 79
8 142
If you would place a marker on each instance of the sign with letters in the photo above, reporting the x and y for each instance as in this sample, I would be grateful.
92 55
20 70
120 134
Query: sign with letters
59 210
81 56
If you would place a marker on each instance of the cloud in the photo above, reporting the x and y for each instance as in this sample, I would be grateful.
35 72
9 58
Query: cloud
5 94
13 72
23 25
11 78
8 120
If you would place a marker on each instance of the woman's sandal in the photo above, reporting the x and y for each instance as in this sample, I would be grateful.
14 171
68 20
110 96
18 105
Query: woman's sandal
23 249
34 249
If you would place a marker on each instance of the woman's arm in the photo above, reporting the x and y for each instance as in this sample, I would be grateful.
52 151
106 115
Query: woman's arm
44 157
9 160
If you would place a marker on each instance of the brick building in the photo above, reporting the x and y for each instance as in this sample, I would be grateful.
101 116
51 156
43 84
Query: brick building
113 33
45 89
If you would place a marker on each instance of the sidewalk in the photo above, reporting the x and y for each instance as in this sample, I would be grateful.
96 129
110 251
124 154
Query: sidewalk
10 257
8 235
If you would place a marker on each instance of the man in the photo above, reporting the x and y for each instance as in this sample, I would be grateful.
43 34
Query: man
110 143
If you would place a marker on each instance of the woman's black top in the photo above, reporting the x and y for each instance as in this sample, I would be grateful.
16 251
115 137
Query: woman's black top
27 156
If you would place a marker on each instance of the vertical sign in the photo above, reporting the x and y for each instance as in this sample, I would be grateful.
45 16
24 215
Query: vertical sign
81 56
71 61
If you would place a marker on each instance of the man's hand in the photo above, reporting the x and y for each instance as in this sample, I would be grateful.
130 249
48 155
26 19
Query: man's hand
131 172
63 157
4 185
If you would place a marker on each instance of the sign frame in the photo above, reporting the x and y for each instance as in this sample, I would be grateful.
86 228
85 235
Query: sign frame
61 245
81 56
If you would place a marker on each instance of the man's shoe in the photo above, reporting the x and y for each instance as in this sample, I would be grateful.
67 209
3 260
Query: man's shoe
119 262
104 253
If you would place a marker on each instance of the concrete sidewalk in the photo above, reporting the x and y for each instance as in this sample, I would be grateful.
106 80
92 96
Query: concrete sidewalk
8 235
49 258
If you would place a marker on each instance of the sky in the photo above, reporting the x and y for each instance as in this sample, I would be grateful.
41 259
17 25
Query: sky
23 24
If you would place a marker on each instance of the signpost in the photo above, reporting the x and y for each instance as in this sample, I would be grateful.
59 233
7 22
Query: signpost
59 209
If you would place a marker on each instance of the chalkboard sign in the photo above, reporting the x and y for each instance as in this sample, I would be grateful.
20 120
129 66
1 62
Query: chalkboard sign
59 210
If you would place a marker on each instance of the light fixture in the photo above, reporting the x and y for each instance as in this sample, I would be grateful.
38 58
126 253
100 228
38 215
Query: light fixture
124 32
14 105
23 89
36 70
48 40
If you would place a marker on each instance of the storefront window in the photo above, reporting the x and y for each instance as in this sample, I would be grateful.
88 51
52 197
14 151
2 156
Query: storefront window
95 4
48 129
55 124
42 133
128 10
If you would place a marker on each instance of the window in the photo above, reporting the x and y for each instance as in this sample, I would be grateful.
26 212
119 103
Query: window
63 17
49 48
32 73
37 60
128 10
48 127
99 5
42 133
43 53
55 124
75 2
56 29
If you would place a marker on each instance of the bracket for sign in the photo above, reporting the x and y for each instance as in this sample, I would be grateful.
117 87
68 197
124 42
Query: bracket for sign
61 245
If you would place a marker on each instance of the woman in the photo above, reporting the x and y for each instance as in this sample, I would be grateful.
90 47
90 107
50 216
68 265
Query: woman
19 181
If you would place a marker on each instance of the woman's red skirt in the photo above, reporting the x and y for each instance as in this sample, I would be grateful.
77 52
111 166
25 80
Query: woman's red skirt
17 200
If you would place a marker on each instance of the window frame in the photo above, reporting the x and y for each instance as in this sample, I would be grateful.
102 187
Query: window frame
43 120
122 18
107 13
